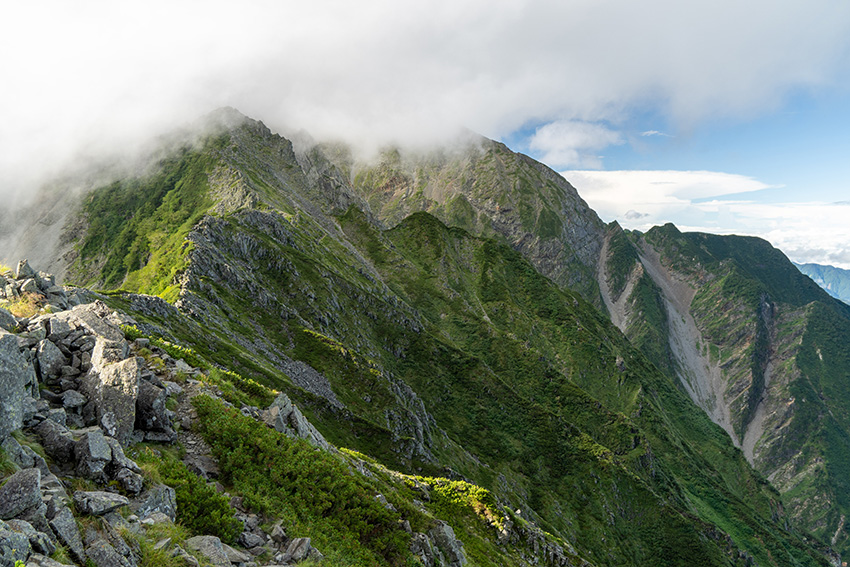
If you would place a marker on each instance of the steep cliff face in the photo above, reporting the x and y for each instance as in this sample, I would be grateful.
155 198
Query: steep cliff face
753 343
442 348
485 188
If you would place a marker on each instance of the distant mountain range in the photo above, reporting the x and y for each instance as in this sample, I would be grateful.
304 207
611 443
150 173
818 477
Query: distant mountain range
834 280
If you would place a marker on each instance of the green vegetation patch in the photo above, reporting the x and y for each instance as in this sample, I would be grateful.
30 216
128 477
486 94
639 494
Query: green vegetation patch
200 508
621 259
137 227
312 491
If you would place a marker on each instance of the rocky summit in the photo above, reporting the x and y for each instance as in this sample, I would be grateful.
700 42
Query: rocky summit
263 351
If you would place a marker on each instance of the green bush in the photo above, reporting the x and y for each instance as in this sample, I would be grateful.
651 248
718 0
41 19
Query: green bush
312 490
200 508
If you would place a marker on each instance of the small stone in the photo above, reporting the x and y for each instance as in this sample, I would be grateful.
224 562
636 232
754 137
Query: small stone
130 481
211 547
297 550
98 503
278 534
73 400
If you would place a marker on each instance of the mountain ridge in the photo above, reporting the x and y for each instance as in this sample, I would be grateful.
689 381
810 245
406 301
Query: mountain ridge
281 266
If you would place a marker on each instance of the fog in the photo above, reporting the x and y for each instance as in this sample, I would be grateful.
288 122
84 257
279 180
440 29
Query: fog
85 79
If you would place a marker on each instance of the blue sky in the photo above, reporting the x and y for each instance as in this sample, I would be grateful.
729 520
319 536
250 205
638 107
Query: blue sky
749 101
791 164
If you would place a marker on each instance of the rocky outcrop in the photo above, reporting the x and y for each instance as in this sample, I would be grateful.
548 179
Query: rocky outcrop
15 376
38 287
75 362
285 417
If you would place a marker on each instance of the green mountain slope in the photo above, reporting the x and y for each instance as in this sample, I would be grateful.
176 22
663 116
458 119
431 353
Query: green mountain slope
433 349
756 344
483 187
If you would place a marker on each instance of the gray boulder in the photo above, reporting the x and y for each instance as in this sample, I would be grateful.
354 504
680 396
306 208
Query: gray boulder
106 352
103 554
40 541
211 547
29 286
73 400
421 546
50 359
116 541
93 454
7 320
21 493
39 560
113 389
444 539
249 540
130 481
59 328
68 534
58 415
235 556
119 459
14 546
94 317
297 550
285 417
24 270
16 453
161 499
15 374
97 502
56 439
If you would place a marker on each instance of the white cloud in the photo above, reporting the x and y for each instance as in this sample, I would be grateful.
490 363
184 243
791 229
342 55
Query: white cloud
102 75
569 143
708 201
655 133
656 193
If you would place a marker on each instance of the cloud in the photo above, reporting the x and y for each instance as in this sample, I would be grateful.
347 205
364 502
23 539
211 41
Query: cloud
569 143
94 76
720 203
655 133
655 193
